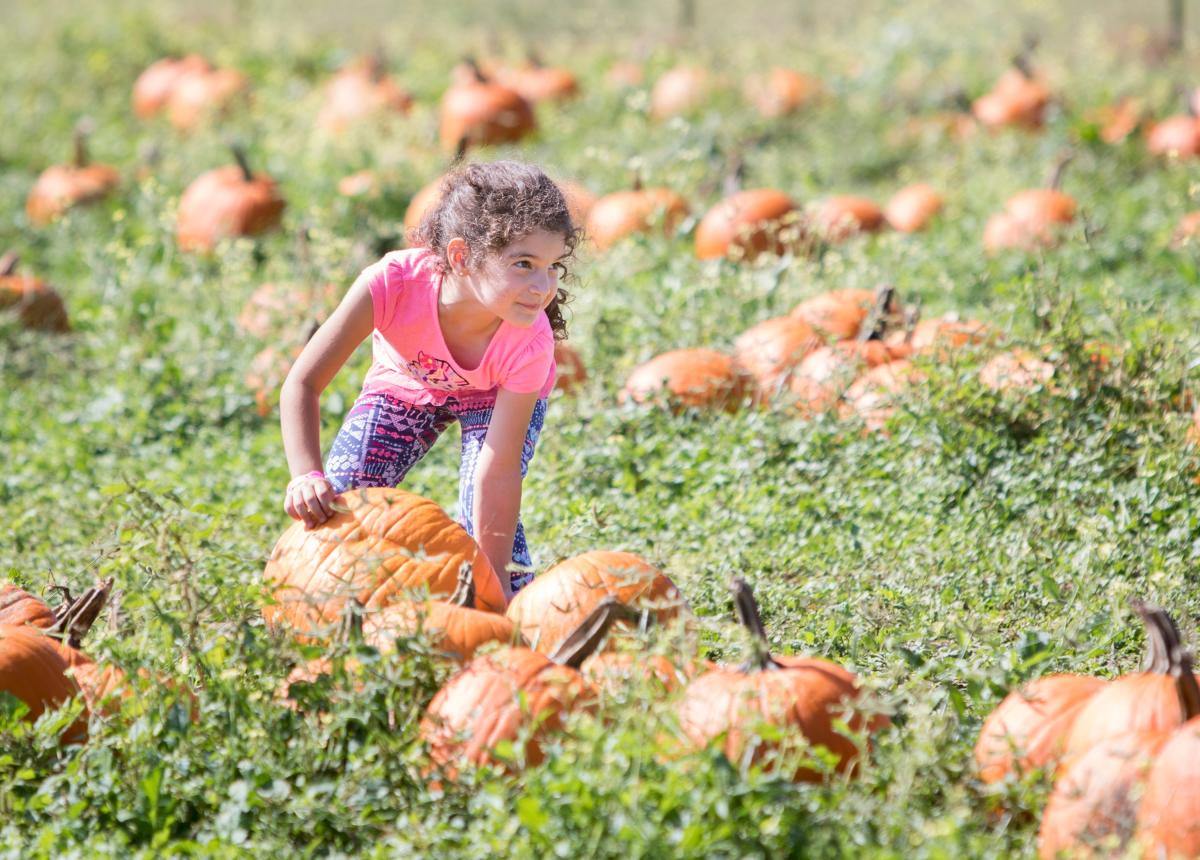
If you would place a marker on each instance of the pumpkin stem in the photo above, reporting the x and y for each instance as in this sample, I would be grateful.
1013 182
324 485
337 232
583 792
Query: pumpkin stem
74 617
239 155
1060 167
585 639
746 609
1185 683
1162 637
8 263
460 150
464 594
1022 59
636 184
912 316
376 64
471 62
883 310
534 58
735 174
79 137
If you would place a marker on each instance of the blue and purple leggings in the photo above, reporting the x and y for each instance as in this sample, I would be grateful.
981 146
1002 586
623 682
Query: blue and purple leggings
383 437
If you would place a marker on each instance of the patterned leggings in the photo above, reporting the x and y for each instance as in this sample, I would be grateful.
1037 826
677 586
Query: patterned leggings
383 437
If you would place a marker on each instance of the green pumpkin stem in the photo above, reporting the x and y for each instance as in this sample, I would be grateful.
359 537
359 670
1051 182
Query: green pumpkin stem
464 594
74 617
239 155
585 639
746 609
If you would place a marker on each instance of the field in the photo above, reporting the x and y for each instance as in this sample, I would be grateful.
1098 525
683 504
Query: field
986 538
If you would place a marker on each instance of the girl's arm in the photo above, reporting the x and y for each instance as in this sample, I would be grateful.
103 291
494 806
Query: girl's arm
299 416
498 481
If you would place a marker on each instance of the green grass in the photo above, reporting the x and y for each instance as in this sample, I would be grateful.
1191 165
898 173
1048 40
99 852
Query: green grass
986 539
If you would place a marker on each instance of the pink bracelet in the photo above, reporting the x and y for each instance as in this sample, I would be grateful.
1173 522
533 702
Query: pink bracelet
314 475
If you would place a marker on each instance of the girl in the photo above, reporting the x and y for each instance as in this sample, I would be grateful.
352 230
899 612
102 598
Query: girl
463 328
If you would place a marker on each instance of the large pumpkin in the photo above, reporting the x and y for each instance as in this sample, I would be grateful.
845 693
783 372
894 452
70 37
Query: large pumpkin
687 378
499 694
18 607
34 668
769 351
227 202
1168 819
386 542
1027 731
555 603
201 96
36 304
785 697
747 224
480 112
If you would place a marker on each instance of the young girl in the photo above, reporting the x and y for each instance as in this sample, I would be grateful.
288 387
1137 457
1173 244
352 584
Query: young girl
463 328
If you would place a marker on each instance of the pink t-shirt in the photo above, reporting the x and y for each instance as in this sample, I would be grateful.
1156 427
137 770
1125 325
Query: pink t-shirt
411 359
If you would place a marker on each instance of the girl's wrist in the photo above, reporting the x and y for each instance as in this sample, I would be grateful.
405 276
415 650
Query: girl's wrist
314 475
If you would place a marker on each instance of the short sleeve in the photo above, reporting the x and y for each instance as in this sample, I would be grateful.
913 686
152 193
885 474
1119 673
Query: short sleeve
383 300
531 367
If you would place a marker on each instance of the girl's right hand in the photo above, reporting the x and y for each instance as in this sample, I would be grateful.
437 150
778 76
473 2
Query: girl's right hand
309 498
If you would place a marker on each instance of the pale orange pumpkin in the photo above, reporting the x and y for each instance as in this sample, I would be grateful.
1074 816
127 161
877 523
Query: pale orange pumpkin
1175 136
387 541
624 213
793 697
556 602
911 208
63 186
1032 218
836 314
687 378
199 97
1015 369
872 397
769 351
781 91
537 82
153 87
276 306
1018 99
360 93
840 217
481 112
677 91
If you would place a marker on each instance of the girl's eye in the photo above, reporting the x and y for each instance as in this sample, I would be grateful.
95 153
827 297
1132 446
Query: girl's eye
524 264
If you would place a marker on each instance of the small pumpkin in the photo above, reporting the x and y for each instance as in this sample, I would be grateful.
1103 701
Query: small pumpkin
227 202
580 200
640 210
836 314
1028 730
939 335
1186 230
499 694
571 372
749 223
624 74
840 217
769 351
1032 218
1018 99
555 603
781 91
360 93
481 112
678 91
687 378
384 542
795 696
537 82
872 397
36 304
911 208
199 97
1117 121
153 87
62 186
1015 369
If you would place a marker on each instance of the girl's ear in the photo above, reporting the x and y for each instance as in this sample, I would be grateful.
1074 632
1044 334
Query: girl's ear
458 255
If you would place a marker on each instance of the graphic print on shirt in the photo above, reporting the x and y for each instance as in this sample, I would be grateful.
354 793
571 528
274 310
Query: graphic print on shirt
435 372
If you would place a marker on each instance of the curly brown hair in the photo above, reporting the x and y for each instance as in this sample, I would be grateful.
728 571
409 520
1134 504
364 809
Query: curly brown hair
490 206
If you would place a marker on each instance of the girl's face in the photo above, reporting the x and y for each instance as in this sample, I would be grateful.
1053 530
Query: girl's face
519 281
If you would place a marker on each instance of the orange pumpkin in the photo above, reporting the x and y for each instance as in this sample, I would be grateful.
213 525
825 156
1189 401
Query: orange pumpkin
836 314
624 213
199 97
1015 369
1186 231
794 696
769 351
624 74
18 607
677 91
424 200
872 397
781 91
227 202
361 183
537 82
1168 823
36 304
1175 136
388 540
747 224
911 208
838 218
938 334
500 693
555 603
153 87
579 200
482 112
1018 99
571 373
827 373
360 93
1027 731
62 186
1031 219
687 378
1118 120
614 671
34 668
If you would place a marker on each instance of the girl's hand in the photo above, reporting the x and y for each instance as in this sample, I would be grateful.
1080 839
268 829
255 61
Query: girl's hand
309 498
